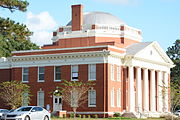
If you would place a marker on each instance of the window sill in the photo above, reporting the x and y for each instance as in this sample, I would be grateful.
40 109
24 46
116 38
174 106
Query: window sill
91 105
57 80
74 80
41 81
92 80
25 81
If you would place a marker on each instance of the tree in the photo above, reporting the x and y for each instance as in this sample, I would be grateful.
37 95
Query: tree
14 36
14 5
13 93
74 93
174 53
175 97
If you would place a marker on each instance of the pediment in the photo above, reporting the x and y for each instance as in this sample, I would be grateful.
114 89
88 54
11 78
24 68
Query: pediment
153 52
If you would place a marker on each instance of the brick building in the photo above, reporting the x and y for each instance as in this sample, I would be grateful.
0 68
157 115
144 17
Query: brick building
95 46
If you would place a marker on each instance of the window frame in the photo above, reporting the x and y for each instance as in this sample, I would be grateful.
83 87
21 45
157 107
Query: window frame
25 74
25 101
112 72
41 73
56 80
118 73
90 72
89 98
112 97
119 97
38 99
74 72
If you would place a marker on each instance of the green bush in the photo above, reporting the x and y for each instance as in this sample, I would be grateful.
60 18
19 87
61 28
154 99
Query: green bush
84 116
95 116
64 115
72 115
88 116
119 118
117 114
79 116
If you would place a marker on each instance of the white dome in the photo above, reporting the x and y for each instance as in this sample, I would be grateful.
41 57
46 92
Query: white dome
93 18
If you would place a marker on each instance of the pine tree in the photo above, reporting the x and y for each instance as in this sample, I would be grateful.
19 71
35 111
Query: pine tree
14 36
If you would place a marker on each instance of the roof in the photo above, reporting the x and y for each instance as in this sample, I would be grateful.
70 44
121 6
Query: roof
93 18
135 48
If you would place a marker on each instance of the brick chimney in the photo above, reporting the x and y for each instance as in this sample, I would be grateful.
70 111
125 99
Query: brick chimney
77 17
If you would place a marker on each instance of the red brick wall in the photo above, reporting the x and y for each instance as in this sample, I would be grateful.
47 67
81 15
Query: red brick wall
49 85
5 75
77 17
92 41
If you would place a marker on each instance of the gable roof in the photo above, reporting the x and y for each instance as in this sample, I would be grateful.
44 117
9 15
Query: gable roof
135 48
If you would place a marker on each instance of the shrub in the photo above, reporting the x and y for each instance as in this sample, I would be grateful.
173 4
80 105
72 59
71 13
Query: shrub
170 117
72 115
88 116
64 115
84 116
95 116
79 116
117 114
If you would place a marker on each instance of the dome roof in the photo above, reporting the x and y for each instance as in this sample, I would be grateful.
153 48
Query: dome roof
92 18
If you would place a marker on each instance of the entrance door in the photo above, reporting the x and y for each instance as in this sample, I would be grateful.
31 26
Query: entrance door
57 103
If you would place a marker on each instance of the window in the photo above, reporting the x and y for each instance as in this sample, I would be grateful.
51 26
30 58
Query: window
74 72
25 75
57 73
74 99
25 99
41 74
40 98
92 72
112 72
112 97
92 98
118 73
118 97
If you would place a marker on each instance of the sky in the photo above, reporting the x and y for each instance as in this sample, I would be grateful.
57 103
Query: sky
159 20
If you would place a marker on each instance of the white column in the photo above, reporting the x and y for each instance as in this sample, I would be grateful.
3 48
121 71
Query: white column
139 90
152 92
160 95
131 90
146 90
166 91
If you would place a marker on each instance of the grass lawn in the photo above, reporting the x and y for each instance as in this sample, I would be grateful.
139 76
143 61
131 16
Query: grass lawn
104 119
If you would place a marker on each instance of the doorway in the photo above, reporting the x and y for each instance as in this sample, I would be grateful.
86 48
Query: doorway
57 103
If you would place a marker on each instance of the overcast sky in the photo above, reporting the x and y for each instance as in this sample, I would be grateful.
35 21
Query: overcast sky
159 20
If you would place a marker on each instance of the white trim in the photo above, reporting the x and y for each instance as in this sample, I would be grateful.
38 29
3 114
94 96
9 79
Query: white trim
112 72
26 74
38 75
72 72
38 97
55 74
118 73
90 99
89 72
118 97
112 97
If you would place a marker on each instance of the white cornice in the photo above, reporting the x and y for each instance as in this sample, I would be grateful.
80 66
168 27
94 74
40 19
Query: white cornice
58 56
154 62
